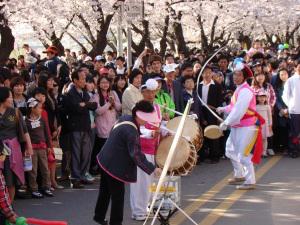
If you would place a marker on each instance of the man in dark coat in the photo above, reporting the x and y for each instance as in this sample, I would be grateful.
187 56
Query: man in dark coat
211 93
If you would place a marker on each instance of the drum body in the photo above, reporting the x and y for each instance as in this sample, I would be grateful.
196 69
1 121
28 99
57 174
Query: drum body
191 129
184 159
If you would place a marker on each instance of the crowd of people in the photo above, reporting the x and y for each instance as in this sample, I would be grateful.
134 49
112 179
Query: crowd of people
73 102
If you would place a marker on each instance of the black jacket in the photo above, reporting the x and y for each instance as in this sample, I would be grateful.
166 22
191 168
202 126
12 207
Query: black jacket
78 117
121 153
214 99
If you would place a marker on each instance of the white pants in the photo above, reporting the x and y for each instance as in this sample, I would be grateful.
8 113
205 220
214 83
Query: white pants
139 191
236 144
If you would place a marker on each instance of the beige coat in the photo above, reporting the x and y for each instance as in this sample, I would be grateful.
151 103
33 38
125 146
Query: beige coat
130 97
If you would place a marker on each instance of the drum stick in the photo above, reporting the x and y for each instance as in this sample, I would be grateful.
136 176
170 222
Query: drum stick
178 113
170 131
198 82
169 157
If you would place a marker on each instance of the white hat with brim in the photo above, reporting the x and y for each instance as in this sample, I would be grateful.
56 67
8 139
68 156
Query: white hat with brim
151 84
30 59
170 68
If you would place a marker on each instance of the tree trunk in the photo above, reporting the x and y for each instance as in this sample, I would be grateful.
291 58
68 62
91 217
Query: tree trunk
55 41
7 39
180 41
163 40
101 41
145 41
172 45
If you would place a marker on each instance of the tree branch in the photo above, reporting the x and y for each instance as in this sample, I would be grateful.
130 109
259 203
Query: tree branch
87 27
78 42
66 27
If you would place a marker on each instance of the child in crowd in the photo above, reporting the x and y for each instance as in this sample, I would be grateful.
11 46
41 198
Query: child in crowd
91 90
264 110
40 138
40 94
188 93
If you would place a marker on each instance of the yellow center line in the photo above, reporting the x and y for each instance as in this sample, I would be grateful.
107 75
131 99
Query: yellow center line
204 198
220 210
200 201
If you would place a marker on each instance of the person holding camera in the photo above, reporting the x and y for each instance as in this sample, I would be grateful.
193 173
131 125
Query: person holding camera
108 107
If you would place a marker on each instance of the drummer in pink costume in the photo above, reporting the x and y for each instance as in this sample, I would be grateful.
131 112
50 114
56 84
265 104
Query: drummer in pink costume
149 140
245 134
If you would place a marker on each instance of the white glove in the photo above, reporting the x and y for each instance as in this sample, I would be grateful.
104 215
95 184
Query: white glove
223 126
220 110
194 116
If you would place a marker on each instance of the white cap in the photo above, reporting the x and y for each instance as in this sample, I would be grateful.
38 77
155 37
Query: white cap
168 68
151 84
88 58
30 59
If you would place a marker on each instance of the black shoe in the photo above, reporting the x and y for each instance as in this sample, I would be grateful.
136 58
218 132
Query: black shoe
87 182
23 194
101 222
63 178
77 185
48 193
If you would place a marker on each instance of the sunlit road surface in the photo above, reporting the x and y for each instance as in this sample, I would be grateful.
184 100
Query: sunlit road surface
206 197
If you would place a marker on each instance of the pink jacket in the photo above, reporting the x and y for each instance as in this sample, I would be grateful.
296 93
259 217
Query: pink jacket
149 144
105 118
248 119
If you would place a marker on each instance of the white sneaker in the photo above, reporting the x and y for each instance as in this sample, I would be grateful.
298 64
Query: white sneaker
271 152
139 217
89 177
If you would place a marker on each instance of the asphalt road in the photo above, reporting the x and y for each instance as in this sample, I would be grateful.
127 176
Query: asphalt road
205 197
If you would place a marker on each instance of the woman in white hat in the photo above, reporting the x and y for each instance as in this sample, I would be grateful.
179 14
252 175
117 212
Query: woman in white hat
149 139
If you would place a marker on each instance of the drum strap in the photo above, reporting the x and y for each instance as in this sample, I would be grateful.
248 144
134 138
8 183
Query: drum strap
126 123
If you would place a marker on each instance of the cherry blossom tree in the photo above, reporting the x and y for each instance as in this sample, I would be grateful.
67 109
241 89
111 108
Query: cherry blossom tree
7 38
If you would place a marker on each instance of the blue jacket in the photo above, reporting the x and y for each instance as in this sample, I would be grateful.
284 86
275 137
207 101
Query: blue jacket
51 64
121 153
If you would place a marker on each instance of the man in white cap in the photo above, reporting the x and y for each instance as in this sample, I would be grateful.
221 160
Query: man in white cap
149 139
174 87
119 159
245 134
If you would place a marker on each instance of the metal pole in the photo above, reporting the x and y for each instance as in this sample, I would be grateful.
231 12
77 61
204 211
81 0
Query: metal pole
143 9
119 34
129 39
